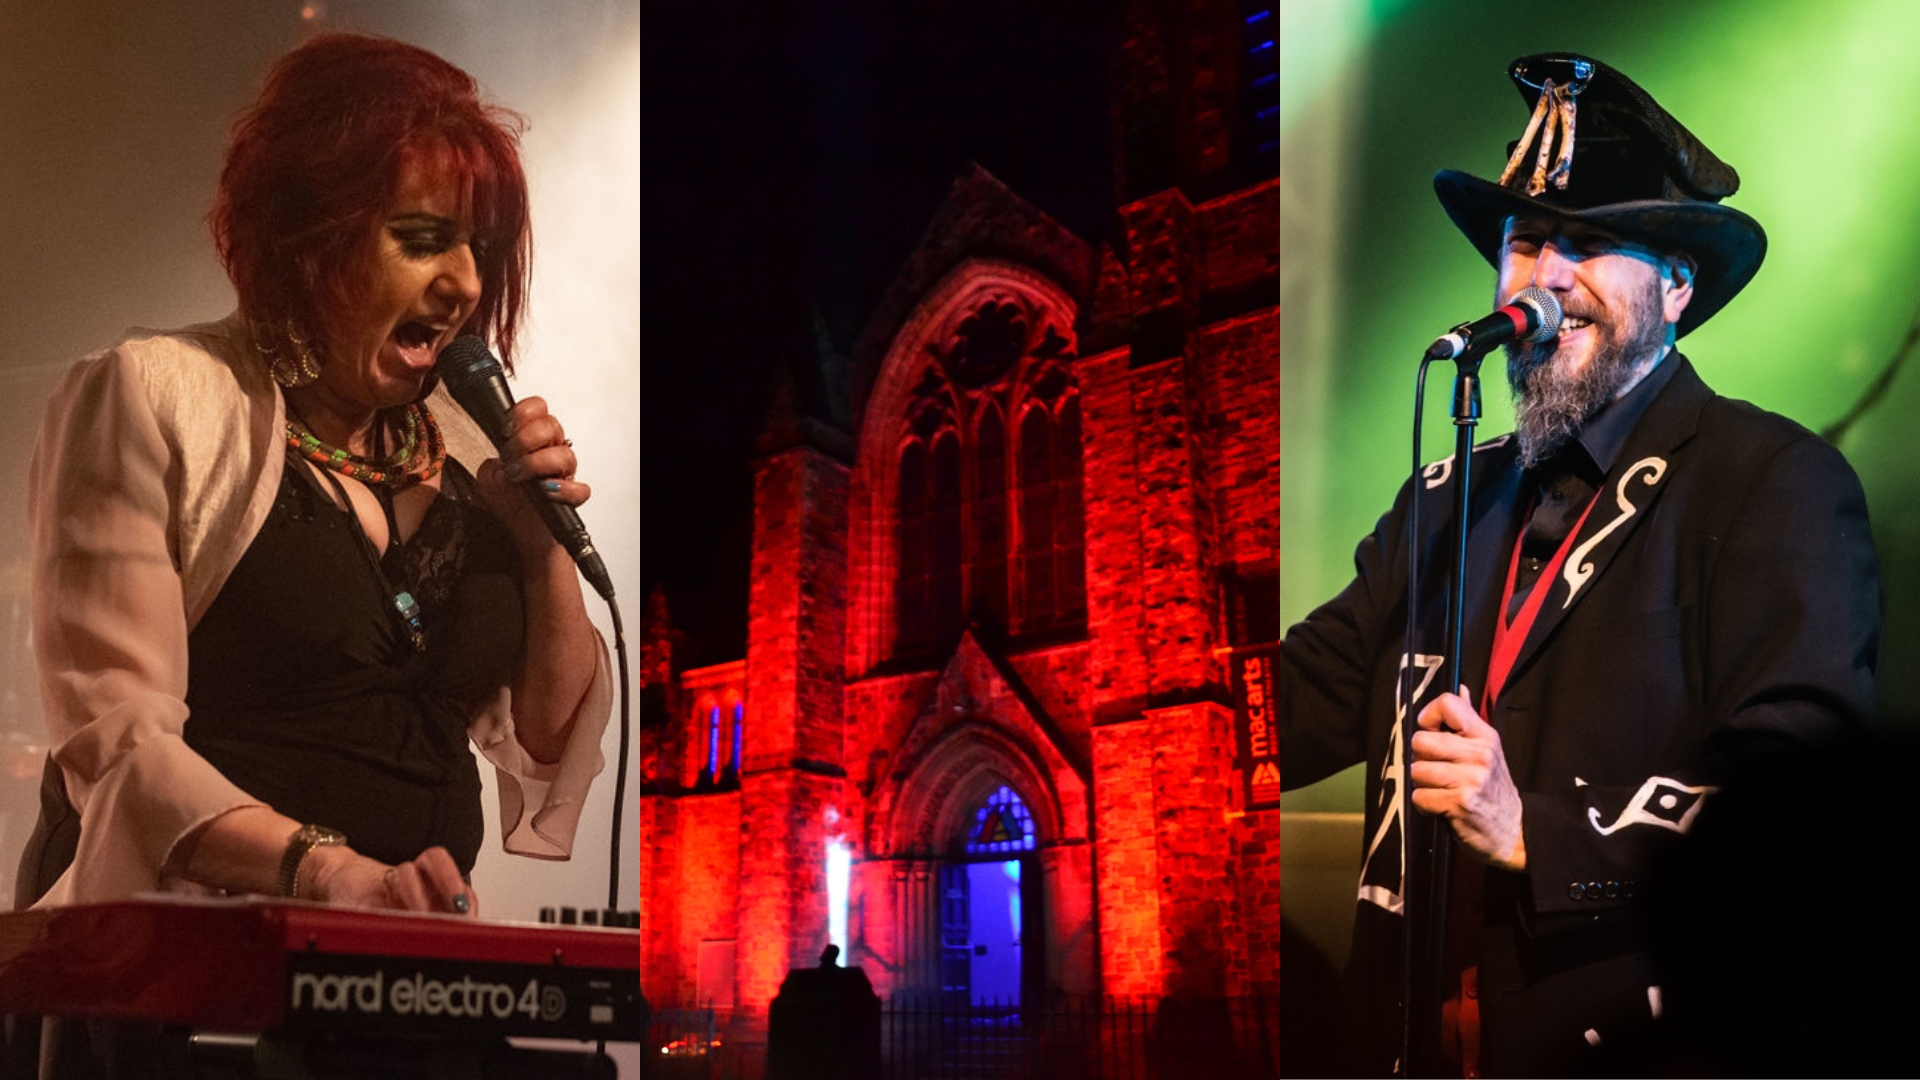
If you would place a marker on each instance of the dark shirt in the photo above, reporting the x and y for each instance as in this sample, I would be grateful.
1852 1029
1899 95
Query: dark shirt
1565 483
304 690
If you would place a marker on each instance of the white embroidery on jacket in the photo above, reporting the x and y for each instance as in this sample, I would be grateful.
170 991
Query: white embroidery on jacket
1660 801
1578 569
1392 777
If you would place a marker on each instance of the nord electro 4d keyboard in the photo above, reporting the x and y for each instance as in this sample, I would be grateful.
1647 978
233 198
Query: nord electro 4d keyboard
248 965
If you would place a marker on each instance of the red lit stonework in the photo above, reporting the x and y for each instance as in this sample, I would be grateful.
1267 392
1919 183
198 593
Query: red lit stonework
1025 563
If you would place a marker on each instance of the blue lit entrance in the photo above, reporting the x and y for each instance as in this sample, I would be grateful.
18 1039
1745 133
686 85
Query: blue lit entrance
993 908
983 909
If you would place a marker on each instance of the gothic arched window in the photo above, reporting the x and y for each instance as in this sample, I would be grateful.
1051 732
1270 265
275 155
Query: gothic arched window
989 517
730 774
710 731
1052 529
1070 520
928 593
1038 594
910 589
1002 824
945 590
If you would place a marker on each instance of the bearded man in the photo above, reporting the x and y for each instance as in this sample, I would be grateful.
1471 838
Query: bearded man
1660 582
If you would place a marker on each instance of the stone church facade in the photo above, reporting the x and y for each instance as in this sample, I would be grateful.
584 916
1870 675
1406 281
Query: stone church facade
1003 557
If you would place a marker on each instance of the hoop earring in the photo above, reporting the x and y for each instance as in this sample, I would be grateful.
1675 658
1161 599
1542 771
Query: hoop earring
294 368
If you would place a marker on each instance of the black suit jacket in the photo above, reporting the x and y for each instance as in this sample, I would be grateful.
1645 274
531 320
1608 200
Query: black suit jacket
1722 596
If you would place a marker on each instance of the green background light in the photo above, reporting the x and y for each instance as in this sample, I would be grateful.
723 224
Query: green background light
1811 100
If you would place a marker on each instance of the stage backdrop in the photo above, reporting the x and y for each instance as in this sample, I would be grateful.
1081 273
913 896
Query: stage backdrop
1810 100
113 119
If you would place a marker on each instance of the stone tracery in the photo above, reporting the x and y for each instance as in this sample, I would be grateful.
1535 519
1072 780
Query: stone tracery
1008 554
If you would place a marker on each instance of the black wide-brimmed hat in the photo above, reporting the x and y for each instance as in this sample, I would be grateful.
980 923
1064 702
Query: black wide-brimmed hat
1599 150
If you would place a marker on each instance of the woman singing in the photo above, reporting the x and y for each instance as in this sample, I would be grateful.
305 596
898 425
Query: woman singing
280 579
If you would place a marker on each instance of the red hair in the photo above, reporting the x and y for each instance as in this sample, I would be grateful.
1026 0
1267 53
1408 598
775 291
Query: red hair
315 163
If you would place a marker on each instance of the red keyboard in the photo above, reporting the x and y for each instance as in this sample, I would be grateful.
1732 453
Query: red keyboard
254 965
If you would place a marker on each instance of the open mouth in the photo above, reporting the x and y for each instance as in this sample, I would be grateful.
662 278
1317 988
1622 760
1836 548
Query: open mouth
415 334
414 340
1574 322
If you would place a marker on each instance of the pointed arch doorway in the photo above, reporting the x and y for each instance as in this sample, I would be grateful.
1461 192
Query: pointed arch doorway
922 879
991 931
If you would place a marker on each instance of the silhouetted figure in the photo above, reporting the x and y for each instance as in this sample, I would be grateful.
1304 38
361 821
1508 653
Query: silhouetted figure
824 1024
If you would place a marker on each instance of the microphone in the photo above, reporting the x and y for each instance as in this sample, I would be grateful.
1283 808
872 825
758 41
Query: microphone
475 379
1532 315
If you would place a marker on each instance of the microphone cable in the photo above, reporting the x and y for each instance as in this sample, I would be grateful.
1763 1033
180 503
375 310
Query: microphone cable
1877 389
1409 667
612 911
620 769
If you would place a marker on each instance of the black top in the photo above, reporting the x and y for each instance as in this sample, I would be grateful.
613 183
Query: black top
1564 484
304 689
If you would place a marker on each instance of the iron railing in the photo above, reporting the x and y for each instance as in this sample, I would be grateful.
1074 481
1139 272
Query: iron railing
1107 1038
682 1044
946 1037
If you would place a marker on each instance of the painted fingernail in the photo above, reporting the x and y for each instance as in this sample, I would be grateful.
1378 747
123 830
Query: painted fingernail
550 486
460 903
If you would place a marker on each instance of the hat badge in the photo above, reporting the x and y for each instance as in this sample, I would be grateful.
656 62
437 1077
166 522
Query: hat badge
1555 111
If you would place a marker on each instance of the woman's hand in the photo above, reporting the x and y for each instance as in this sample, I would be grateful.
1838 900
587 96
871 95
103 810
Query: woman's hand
561 651
428 882
536 449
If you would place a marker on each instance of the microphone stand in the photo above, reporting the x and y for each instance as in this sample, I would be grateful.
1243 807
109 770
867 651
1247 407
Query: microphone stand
1427 922
1466 417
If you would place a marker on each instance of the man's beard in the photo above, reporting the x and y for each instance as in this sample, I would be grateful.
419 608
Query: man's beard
1550 405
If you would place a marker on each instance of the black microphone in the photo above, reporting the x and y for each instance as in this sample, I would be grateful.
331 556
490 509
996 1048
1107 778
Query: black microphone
476 381
1532 315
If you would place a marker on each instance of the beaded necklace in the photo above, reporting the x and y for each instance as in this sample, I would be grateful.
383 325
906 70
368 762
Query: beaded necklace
409 464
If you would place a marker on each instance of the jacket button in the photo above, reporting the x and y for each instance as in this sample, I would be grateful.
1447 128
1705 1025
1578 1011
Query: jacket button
1626 889
1613 890
1593 890
1576 891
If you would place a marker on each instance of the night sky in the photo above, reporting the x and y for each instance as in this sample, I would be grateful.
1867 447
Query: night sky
791 157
